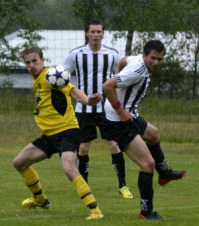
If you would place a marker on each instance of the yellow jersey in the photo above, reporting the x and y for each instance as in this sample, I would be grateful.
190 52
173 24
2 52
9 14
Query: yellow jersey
54 112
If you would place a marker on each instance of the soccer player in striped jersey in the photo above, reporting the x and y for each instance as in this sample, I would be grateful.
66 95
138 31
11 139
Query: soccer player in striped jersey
94 64
55 116
124 92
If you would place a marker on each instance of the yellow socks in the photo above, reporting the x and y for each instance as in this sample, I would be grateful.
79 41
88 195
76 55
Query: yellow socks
85 193
31 179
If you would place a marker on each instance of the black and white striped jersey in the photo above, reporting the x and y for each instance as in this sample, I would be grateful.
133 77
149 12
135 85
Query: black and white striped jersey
92 70
132 83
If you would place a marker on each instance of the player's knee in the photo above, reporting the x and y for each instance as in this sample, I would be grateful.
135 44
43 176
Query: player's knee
151 164
84 148
155 137
71 171
14 163
148 165
18 165
113 147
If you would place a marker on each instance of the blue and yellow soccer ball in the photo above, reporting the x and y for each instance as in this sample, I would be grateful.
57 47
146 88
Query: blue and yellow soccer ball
58 77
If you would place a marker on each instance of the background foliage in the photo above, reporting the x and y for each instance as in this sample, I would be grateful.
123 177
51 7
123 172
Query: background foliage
122 16
15 16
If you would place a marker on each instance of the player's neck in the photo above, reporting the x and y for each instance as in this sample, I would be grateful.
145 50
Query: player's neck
35 76
95 48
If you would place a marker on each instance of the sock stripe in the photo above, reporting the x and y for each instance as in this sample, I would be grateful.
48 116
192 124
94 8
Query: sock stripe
33 184
89 193
38 193
92 205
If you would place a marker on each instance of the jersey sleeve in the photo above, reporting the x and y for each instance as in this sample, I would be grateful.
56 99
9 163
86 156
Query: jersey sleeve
68 88
129 75
69 62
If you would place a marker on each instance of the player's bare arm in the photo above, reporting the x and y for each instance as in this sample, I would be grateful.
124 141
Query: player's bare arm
94 99
109 88
122 63
81 97
125 116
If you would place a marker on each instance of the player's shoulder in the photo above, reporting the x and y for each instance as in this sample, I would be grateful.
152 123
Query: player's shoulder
110 49
44 71
78 49
134 59
136 63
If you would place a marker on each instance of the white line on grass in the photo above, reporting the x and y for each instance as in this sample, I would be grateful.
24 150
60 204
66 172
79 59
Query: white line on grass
34 217
58 216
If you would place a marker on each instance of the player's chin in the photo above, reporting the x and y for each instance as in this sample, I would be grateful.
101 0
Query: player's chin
152 69
34 73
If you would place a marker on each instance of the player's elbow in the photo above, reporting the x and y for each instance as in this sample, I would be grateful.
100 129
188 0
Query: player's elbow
106 87
109 84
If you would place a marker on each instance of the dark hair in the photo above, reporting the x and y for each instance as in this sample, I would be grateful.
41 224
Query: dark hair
94 22
156 45
32 49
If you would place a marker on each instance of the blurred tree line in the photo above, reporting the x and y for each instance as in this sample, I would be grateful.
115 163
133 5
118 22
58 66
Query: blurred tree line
147 17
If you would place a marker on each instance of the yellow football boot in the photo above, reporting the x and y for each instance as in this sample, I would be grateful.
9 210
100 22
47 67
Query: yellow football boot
95 214
125 193
33 203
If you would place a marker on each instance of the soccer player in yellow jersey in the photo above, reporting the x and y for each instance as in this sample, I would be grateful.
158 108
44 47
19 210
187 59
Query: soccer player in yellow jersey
55 116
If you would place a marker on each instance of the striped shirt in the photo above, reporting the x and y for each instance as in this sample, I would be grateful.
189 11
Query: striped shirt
92 70
132 83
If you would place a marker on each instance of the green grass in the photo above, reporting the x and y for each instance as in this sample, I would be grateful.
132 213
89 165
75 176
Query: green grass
177 202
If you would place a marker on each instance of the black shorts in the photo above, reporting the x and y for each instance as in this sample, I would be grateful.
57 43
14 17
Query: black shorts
88 123
67 140
124 133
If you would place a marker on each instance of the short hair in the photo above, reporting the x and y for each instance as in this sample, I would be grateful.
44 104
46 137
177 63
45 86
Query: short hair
94 22
32 49
156 45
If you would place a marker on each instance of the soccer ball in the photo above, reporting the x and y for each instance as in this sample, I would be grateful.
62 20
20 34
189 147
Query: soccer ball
58 77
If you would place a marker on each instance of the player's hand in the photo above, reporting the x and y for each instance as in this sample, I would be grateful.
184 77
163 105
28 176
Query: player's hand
94 99
125 116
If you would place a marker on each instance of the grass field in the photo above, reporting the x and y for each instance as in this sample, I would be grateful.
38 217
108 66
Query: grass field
178 202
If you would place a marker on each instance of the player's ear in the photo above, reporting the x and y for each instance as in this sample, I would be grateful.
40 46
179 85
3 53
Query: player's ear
144 56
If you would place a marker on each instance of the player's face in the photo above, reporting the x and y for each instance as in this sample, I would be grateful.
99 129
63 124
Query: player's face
34 64
95 34
153 60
